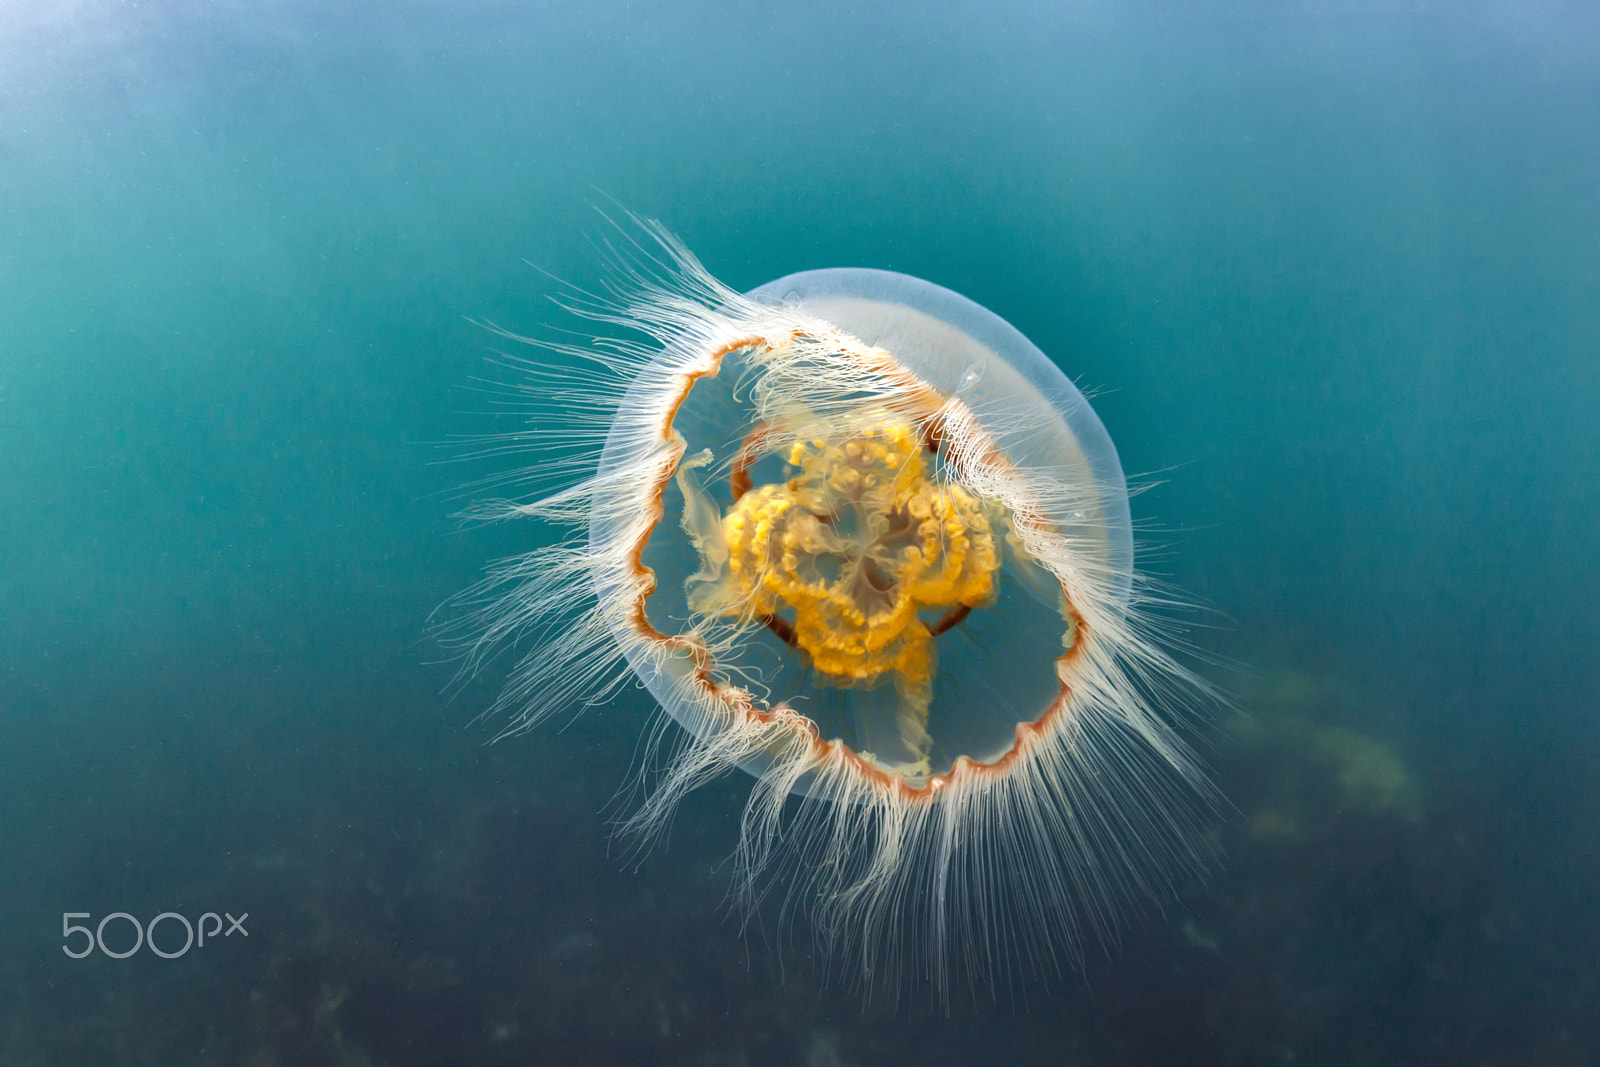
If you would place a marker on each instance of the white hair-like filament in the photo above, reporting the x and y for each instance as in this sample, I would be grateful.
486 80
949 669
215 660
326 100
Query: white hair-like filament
983 875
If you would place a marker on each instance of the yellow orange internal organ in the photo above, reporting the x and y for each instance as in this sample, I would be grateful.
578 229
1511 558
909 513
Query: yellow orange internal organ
856 545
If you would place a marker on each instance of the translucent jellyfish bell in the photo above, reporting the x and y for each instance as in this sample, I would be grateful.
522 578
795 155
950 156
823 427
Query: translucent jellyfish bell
994 658
963 349
863 540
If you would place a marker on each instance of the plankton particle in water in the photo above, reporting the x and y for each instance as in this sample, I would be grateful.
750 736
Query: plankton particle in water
865 542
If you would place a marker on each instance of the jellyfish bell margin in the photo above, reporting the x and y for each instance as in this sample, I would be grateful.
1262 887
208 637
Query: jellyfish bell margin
860 539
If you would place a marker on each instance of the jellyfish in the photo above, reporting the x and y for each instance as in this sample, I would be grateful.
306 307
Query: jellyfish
864 542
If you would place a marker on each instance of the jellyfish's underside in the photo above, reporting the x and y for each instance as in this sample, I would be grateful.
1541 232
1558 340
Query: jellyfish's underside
896 610
863 540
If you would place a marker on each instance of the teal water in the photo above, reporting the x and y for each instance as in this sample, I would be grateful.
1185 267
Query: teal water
1333 271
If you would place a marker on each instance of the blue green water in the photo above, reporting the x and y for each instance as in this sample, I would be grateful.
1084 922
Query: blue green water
1332 269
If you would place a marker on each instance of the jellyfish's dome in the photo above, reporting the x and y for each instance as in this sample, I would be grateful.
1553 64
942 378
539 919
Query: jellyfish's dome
881 507
1024 400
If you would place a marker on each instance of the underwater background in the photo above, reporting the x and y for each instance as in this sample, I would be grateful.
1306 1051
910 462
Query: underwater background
1332 271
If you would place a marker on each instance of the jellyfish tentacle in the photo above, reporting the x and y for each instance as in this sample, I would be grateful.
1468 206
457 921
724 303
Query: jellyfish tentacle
913 506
